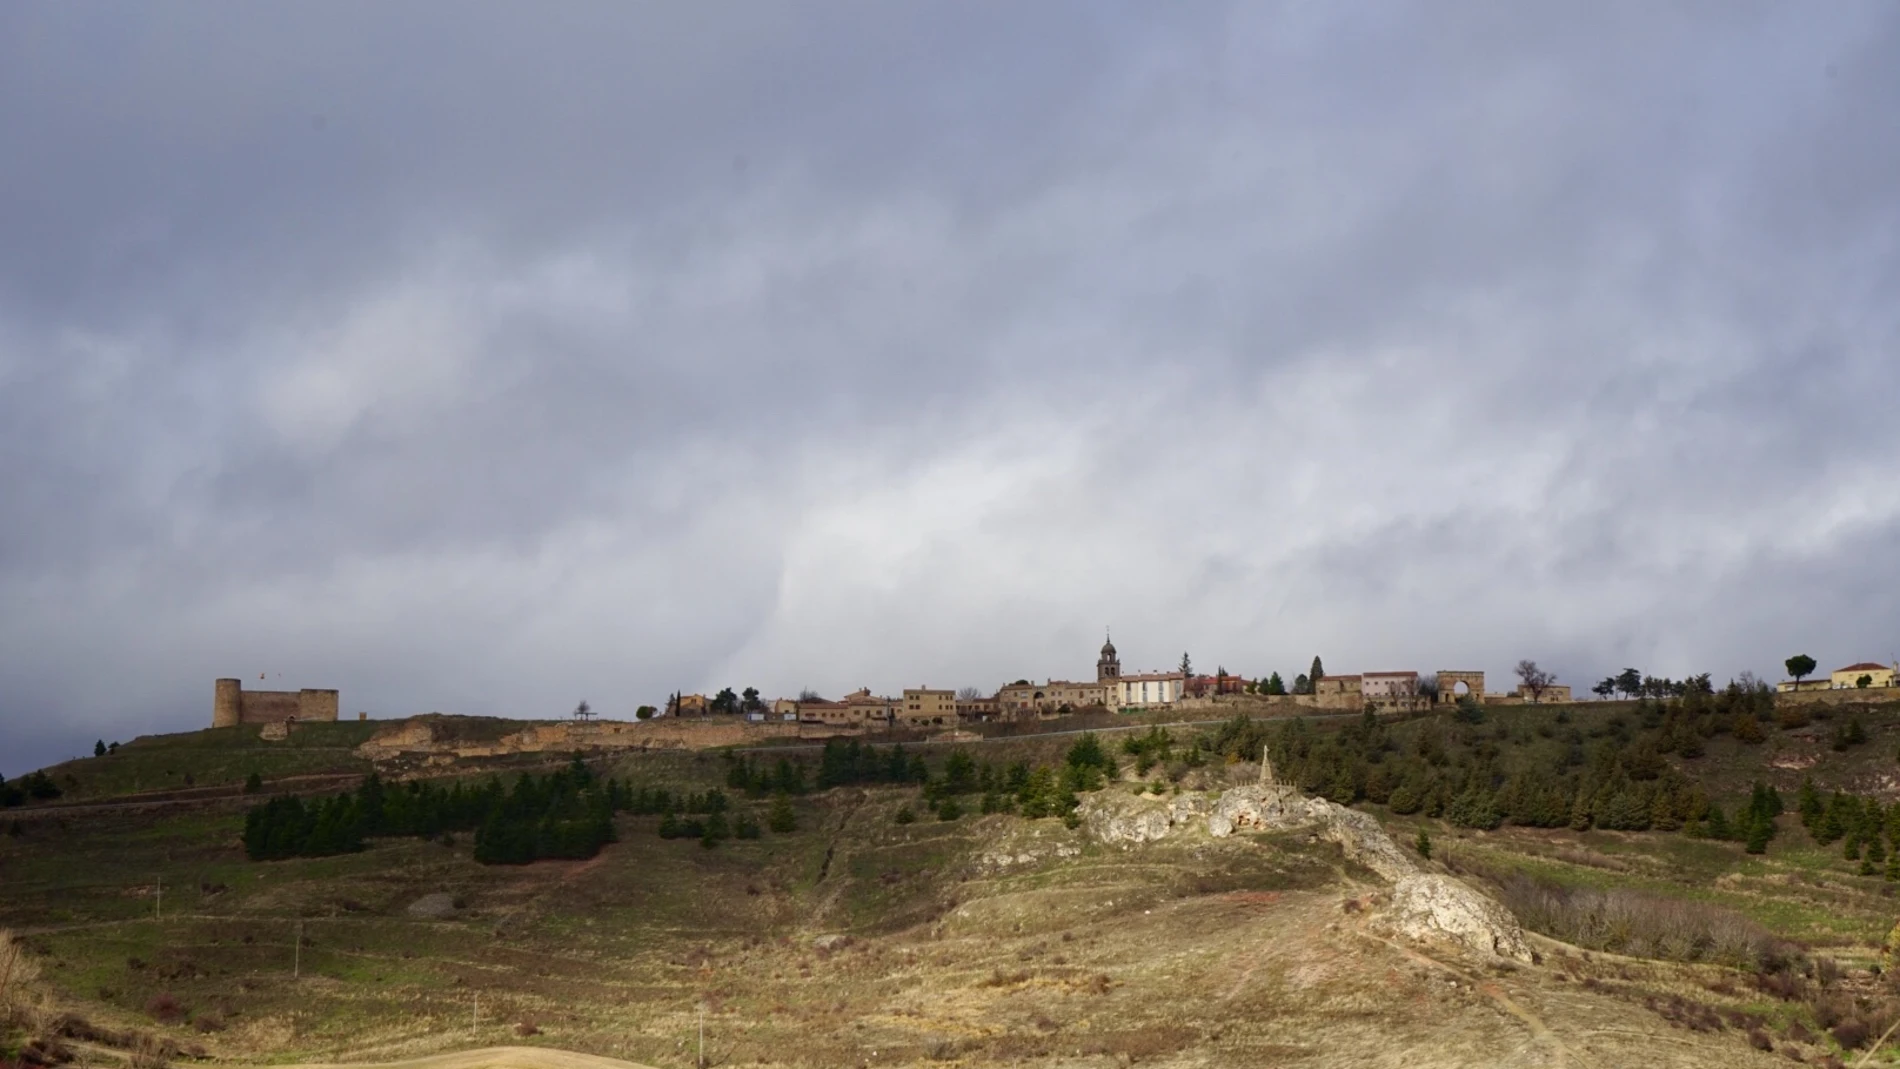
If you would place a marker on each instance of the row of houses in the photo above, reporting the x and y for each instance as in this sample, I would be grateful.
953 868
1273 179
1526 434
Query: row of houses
1111 690
928 708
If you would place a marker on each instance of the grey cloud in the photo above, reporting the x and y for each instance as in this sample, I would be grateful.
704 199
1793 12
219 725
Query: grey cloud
485 358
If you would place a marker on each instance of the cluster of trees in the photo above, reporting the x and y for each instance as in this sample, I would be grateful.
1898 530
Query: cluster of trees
844 763
568 813
37 786
100 748
1867 831
1027 790
716 827
1552 774
758 778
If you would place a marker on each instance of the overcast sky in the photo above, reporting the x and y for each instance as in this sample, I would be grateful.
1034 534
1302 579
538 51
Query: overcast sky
486 358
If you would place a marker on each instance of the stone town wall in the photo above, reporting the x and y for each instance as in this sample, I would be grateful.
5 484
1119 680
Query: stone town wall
422 736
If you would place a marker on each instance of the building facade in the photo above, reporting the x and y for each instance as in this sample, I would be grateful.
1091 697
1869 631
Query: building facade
1049 699
924 707
1878 675
1149 689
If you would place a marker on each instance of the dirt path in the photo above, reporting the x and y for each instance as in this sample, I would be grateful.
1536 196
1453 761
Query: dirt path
486 1058
1540 1032
830 895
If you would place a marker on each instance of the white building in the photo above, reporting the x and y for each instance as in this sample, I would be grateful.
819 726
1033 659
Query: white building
1149 688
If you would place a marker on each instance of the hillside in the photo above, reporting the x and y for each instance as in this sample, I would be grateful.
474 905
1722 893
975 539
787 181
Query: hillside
857 939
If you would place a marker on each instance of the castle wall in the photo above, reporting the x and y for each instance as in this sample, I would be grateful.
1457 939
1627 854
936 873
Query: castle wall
268 706
231 705
316 705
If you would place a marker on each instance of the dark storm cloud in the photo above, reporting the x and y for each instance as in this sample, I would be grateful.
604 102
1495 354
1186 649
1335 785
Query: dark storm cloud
484 359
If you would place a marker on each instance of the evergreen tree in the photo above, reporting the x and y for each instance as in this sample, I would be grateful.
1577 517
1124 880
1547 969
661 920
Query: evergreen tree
782 820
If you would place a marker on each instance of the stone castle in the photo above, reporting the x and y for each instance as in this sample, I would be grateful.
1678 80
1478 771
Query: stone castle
232 705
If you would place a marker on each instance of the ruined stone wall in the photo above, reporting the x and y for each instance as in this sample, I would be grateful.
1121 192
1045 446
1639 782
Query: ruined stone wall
419 736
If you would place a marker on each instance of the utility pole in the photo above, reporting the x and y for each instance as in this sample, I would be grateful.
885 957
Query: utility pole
475 1014
701 1063
296 954
158 903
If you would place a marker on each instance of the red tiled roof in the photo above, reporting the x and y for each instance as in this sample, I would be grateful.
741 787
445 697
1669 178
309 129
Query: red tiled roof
1412 674
1864 666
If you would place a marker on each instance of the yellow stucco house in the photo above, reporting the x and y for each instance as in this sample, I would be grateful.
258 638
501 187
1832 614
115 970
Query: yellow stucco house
1878 675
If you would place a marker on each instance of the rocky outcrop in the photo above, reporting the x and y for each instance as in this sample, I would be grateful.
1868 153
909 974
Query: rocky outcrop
1424 906
434 906
1114 817
1430 907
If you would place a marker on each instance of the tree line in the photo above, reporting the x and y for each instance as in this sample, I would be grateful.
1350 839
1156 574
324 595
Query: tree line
34 786
562 814
1554 774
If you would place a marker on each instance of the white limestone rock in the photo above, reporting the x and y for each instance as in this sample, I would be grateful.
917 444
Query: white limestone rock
1434 908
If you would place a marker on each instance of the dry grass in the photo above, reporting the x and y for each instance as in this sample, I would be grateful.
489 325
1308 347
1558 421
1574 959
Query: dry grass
1640 924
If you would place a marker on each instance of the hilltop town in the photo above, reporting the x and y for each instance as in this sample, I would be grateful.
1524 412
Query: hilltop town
930 710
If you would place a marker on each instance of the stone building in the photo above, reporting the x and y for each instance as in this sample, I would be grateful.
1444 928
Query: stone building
1338 692
1049 699
923 707
232 705
866 708
978 709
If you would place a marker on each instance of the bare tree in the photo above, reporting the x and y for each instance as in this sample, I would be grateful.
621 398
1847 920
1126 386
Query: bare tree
1428 686
970 694
1535 679
809 695
583 711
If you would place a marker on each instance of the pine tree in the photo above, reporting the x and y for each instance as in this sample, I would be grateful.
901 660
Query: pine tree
1758 833
1423 844
782 820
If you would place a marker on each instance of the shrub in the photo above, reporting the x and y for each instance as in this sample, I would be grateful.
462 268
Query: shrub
948 809
208 1023
165 1009
1851 1034
527 1028
905 816
1640 923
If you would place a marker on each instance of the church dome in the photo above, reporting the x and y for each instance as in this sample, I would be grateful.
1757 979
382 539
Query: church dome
1108 651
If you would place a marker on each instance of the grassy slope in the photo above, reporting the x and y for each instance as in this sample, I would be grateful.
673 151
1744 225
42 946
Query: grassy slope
1178 946
213 757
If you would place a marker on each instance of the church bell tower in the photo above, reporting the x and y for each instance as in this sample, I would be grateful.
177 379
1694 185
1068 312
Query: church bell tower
1109 668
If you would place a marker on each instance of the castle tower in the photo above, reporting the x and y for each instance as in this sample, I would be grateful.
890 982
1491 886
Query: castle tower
1109 668
227 703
